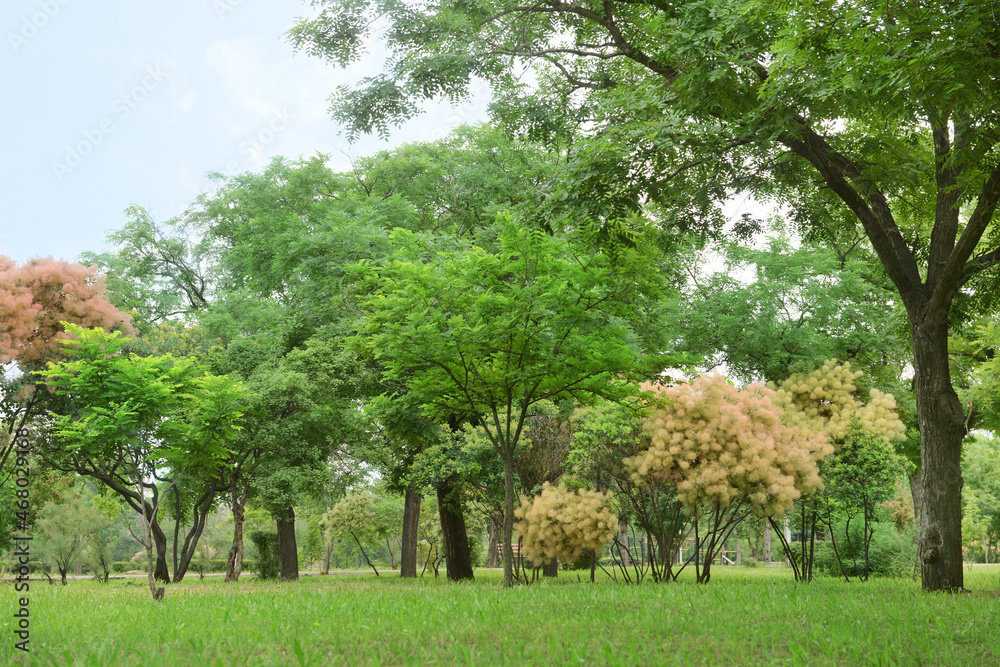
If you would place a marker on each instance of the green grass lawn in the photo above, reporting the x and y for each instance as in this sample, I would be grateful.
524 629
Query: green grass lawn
743 617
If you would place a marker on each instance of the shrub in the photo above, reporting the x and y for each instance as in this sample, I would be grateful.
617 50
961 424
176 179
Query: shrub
721 444
581 563
560 523
122 566
892 553
476 550
267 564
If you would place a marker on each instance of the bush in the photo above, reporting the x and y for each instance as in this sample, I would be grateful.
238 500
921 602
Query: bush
476 550
892 553
122 566
560 523
581 563
268 564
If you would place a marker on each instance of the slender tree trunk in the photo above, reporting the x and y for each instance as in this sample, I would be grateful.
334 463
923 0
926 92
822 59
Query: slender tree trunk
508 519
411 523
942 428
234 564
767 544
915 493
160 571
287 549
177 531
458 558
199 515
623 540
493 550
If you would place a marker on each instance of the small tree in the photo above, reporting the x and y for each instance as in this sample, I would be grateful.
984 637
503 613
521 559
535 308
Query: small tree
132 418
65 531
604 437
266 544
728 453
826 400
484 334
353 515
861 476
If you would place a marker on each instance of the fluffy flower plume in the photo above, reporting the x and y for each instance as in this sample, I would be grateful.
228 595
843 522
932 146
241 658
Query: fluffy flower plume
34 298
717 444
824 401
560 523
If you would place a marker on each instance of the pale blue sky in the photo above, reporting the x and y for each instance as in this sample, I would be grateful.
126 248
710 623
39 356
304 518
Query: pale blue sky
135 102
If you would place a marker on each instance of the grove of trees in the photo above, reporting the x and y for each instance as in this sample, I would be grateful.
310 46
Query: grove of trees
543 339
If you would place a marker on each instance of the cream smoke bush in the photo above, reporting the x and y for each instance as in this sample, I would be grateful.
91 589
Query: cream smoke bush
824 401
561 523
719 444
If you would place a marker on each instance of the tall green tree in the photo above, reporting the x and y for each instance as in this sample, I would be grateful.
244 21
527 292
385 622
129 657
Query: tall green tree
486 335
880 115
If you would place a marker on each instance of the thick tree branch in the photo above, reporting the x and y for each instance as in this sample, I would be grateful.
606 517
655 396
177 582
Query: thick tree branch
948 193
867 202
957 268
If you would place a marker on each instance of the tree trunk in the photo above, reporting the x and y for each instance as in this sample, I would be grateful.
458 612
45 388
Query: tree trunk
916 495
458 558
551 568
199 516
411 523
493 550
942 427
326 559
160 570
767 545
508 519
287 549
623 541
234 564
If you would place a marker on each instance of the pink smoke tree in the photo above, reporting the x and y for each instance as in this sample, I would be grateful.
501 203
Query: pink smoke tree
729 453
36 299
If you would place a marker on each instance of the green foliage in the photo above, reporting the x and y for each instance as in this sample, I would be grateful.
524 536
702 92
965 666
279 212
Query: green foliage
981 494
267 564
891 553
984 392
481 334
863 473
775 308
65 531
538 317
158 412
353 514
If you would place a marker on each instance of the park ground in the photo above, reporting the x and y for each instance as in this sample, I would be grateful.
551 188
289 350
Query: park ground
744 616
